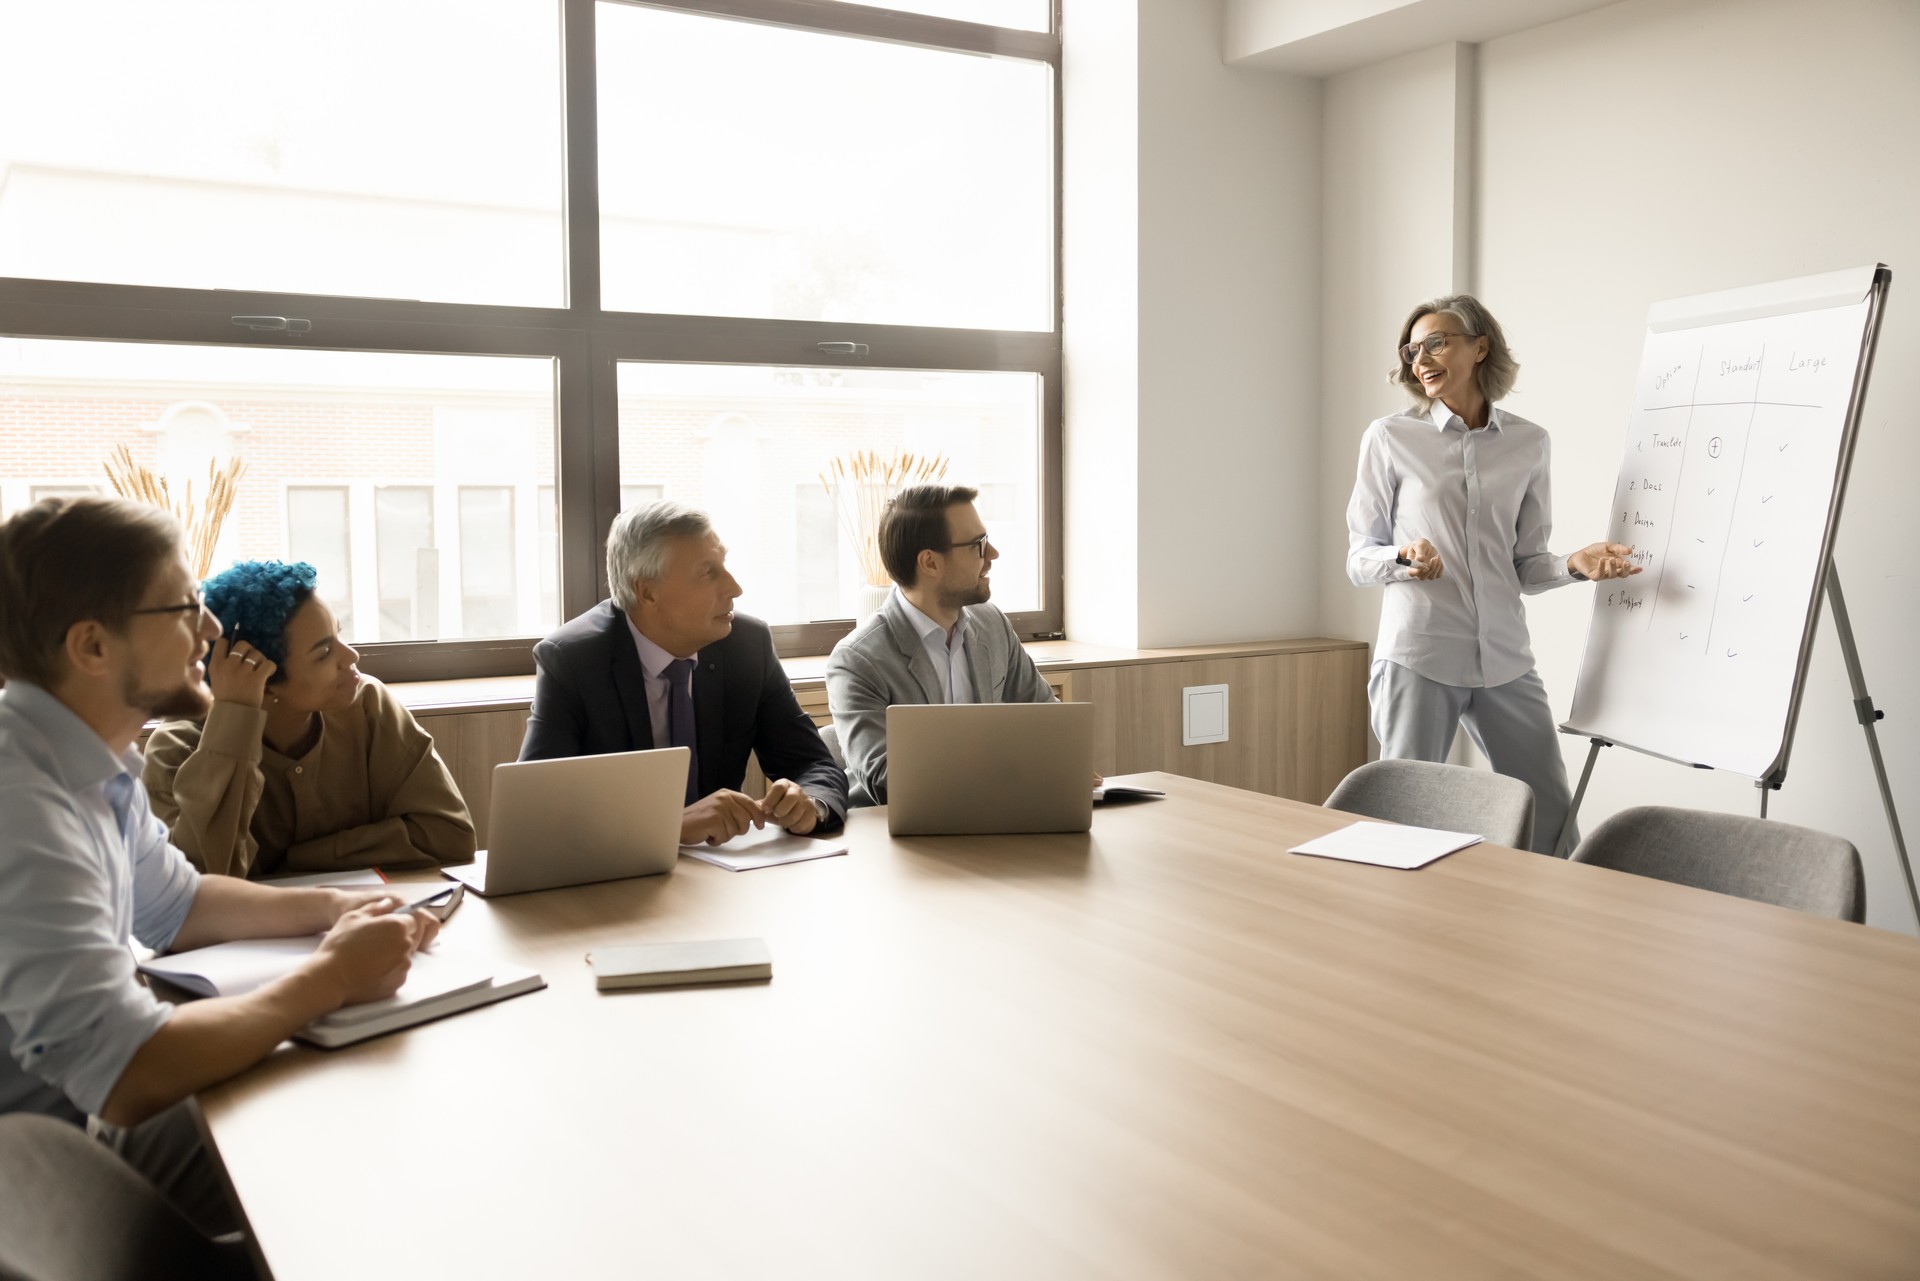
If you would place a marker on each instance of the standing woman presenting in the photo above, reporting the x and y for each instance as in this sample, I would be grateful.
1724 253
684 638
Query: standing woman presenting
1451 513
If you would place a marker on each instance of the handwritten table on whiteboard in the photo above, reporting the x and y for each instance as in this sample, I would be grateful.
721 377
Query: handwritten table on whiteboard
1726 488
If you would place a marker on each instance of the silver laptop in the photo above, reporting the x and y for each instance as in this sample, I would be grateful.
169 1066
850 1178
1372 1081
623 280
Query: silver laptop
964 768
580 819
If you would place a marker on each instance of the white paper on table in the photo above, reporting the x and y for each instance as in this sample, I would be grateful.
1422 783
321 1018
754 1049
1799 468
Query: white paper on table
1387 844
763 847
336 880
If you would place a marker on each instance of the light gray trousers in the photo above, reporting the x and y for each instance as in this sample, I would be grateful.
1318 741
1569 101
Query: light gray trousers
168 1152
1415 718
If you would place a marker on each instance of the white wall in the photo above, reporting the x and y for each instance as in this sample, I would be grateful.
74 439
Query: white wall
1649 150
1396 231
1217 539
1100 330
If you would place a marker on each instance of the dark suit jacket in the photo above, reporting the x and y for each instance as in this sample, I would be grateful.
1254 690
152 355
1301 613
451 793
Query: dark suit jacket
590 697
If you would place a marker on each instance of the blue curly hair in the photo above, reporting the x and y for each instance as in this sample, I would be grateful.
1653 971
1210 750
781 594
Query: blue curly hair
254 599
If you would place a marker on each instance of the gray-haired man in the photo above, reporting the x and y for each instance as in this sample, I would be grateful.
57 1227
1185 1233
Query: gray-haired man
667 663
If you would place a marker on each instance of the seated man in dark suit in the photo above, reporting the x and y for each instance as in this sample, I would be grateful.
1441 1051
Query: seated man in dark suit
667 663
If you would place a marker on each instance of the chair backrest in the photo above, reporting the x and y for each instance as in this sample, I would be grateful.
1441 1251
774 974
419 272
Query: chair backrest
1754 858
74 1211
831 737
1453 798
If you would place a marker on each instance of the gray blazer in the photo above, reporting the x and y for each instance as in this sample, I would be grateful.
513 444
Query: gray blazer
882 662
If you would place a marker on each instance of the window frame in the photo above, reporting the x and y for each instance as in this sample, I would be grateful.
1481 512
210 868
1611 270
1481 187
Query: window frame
586 344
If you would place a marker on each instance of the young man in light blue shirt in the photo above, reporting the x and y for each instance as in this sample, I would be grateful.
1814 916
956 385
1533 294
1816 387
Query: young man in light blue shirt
102 628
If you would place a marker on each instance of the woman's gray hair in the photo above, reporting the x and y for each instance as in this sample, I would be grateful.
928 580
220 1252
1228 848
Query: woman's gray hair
637 543
1495 374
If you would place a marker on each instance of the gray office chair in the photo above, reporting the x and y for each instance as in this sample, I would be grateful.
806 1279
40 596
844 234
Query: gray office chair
1451 797
831 737
1752 858
73 1211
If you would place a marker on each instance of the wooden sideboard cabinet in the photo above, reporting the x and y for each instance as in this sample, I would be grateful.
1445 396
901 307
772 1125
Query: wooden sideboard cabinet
1297 713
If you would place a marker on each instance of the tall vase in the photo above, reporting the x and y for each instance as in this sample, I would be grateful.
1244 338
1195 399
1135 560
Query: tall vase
871 599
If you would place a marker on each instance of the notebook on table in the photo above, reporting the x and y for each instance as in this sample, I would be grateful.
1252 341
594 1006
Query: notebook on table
438 984
580 819
674 964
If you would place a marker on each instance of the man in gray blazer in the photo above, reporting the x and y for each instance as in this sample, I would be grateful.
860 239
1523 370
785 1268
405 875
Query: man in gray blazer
935 640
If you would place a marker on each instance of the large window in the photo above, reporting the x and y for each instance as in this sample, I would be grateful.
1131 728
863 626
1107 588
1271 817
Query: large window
348 459
458 280
756 446
390 148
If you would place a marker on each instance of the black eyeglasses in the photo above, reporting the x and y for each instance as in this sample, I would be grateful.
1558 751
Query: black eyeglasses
978 544
1431 344
195 606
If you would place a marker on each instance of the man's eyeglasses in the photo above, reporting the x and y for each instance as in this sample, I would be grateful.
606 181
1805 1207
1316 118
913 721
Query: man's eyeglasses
1431 344
195 606
978 544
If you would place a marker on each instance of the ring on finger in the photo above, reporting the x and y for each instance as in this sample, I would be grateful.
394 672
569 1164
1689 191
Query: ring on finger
251 662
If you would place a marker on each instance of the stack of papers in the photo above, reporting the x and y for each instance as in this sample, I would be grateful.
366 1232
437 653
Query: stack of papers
763 847
1387 844
1125 792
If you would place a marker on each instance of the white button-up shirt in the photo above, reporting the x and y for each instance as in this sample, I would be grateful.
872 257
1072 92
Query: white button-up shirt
949 655
1482 499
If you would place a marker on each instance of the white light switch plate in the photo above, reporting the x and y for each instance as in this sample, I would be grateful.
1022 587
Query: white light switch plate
1203 716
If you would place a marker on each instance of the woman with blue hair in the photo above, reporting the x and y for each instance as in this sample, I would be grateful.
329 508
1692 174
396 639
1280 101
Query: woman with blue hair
302 764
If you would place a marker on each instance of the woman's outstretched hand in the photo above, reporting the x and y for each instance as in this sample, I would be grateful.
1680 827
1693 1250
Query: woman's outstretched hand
1604 560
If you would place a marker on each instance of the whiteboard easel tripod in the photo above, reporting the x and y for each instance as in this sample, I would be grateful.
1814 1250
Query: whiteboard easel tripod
1767 371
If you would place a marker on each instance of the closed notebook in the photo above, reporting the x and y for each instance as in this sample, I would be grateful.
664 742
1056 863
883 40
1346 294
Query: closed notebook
669 964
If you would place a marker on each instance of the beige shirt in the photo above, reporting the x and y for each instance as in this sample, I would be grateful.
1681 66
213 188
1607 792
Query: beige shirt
371 792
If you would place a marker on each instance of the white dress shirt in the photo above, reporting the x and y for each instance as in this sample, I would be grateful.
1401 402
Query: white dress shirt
653 666
88 867
1482 499
949 654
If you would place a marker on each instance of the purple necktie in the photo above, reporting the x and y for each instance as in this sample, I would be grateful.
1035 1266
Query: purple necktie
680 720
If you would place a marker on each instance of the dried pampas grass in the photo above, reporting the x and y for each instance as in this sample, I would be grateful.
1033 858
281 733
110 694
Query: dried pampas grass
201 517
861 484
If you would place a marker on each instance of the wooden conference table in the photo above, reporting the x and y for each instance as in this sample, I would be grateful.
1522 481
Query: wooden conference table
1166 1049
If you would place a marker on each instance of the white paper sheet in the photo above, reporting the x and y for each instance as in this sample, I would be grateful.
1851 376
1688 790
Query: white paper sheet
763 847
1387 845
367 877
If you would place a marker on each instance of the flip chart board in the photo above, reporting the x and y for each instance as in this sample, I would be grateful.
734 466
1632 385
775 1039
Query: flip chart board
1736 456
